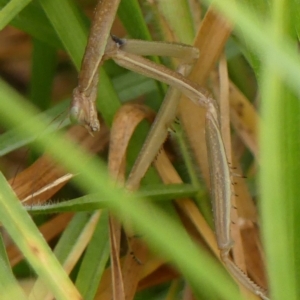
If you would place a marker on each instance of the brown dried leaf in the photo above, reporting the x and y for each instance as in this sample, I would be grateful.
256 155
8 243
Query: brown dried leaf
44 178
125 122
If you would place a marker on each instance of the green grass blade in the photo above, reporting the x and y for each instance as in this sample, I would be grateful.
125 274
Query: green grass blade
279 145
33 246
132 85
11 9
94 261
70 235
107 102
93 202
179 10
279 181
70 246
129 86
9 286
295 13
33 20
8 283
133 20
3 254
66 19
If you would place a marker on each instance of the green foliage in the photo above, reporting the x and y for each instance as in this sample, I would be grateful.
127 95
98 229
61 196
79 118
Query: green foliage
267 38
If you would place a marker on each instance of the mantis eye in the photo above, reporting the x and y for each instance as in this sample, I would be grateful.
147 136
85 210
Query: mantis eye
76 115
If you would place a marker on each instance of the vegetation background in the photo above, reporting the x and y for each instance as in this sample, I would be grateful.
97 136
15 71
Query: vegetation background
42 44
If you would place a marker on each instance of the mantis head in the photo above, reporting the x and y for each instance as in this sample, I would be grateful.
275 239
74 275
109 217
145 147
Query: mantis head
83 112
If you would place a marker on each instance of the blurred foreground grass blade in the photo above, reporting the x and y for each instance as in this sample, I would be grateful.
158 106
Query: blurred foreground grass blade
280 84
94 260
11 9
279 179
70 246
33 20
261 41
27 237
12 140
261 9
9 287
280 167
128 86
295 13
3 253
164 234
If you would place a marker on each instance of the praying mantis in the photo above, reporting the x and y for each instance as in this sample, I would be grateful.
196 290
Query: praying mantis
128 54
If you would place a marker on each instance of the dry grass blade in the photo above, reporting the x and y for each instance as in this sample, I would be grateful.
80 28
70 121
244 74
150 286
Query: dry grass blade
161 274
124 125
117 284
154 272
30 184
210 41
76 251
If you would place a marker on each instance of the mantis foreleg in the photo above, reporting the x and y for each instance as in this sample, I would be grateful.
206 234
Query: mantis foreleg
83 108
168 109
219 169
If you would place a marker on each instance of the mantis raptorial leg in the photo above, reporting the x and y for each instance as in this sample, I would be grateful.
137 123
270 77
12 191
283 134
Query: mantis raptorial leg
83 108
219 169
127 53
